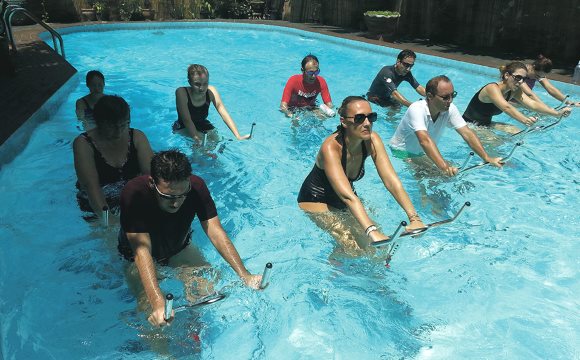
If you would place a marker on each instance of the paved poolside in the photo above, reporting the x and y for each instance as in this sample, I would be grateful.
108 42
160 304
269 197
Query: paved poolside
39 72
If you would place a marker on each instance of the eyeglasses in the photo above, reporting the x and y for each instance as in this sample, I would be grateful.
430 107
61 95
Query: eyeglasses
407 65
360 118
518 78
449 97
312 73
172 197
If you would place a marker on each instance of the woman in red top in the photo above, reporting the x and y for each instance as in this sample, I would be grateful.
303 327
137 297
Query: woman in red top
301 90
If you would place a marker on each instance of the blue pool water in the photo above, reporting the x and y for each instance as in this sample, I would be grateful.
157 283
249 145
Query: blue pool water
501 282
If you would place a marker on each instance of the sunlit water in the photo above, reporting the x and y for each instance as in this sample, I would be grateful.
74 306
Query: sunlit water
500 282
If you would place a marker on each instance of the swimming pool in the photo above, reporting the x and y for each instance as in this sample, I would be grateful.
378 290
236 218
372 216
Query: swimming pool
498 283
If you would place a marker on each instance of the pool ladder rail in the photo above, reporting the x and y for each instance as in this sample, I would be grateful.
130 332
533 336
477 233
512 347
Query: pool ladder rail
8 12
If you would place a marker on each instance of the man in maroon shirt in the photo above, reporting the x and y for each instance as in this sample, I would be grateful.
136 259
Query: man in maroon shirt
156 216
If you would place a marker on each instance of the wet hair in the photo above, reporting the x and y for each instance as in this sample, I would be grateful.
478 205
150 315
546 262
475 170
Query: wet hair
170 165
196 69
542 64
406 53
432 84
511 68
111 110
308 58
92 74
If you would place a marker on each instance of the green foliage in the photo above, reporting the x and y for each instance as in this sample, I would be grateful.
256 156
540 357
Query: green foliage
383 13
130 10
232 9
44 14
99 7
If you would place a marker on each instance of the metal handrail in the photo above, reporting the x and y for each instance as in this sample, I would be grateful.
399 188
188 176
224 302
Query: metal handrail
7 19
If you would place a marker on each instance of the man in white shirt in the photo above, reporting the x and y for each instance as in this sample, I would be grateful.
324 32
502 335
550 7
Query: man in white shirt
425 121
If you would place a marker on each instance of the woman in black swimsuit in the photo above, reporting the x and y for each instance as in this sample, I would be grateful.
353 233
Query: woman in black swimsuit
340 161
84 108
493 99
108 156
193 106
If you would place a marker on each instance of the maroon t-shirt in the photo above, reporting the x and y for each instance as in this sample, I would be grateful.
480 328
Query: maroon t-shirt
140 213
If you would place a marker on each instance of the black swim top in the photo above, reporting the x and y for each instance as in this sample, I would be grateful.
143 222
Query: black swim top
317 188
109 174
89 111
480 113
198 115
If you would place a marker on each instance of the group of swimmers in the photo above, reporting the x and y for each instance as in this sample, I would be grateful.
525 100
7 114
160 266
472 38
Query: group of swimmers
158 197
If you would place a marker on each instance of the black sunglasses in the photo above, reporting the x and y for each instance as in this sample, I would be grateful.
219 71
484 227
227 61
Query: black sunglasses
407 65
360 118
449 97
518 78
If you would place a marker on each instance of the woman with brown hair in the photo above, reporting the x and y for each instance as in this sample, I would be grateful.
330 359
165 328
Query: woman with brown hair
494 99
328 189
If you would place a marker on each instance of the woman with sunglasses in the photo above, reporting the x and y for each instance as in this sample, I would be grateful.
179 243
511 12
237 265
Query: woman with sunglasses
108 156
493 99
328 189
301 90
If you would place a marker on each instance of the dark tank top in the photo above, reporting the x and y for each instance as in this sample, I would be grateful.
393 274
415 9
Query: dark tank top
198 115
480 113
109 174
316 187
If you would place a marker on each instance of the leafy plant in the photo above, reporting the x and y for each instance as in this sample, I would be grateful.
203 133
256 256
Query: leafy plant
99 7
383 13
129 10
44 12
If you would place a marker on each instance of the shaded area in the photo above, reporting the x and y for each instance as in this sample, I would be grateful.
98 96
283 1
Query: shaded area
38 73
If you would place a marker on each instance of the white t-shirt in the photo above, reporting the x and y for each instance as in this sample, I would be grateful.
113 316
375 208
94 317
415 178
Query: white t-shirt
418 118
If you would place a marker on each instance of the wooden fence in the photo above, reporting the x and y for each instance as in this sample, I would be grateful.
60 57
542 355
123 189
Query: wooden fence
525 27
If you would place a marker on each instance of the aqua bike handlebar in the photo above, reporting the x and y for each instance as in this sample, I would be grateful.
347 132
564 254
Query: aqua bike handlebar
266 276
392 242
503 160
105 216
539 127
210 299
168 306
563 103
252 130
437 223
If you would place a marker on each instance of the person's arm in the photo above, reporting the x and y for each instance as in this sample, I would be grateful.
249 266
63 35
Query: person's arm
325 93
432 151
184 115
473 141
493 93
87 174
141 245
421 90
554 92
400 98
144 152
80 109
286 96
220 107
526 90
538 105
392 182
218 237
341 186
